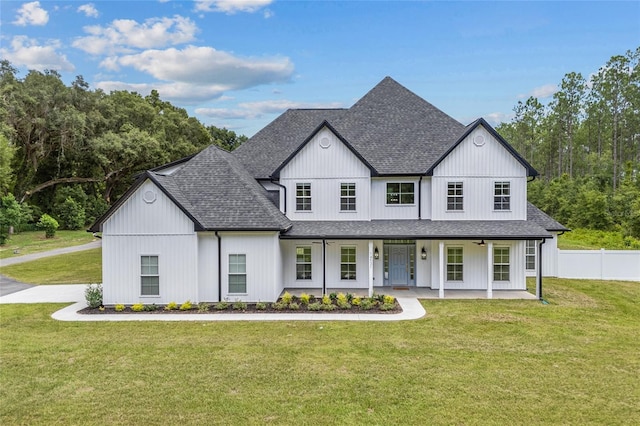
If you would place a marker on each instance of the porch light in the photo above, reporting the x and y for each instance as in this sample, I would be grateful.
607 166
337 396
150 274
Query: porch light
376 254
423 254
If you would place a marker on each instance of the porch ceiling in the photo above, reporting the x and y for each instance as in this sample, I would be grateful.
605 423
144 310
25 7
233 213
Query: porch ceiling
417 229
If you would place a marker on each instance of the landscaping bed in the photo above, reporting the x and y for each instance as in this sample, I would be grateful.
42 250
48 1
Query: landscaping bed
333 303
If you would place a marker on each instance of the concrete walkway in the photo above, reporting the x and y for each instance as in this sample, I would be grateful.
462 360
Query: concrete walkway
55 252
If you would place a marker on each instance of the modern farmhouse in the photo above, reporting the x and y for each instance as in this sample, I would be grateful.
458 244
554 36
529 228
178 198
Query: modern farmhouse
390 192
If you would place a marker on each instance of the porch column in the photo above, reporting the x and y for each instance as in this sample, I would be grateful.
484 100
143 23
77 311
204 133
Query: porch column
370 268
489 270
441 269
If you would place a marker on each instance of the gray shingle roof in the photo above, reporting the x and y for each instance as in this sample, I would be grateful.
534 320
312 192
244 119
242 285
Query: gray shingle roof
409 229
544 220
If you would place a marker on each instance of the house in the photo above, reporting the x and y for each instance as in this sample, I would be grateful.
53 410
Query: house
390 192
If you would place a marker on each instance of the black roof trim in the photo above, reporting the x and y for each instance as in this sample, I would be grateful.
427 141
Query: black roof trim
173 163
470 128
97 225
325 123
413 237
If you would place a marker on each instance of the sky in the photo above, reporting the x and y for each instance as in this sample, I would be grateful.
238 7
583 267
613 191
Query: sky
239 64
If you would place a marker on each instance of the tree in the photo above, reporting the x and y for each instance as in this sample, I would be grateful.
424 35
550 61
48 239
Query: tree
226 139
11 215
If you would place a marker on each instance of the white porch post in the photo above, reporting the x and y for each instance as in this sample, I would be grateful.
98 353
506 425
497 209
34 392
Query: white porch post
441 269
489 270
370 268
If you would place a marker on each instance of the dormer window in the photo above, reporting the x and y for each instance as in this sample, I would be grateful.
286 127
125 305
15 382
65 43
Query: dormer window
400 193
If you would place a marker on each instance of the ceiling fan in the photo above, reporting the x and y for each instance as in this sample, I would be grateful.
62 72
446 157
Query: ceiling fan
481 243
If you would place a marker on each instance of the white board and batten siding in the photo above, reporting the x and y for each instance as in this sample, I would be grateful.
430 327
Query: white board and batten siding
149 224
475 266
325 162
381 210
478 162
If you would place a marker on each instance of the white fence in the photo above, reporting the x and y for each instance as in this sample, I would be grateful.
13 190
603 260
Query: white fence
599 264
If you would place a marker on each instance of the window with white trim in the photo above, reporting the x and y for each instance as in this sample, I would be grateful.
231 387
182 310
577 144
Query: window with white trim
303 197
347 197
149 276
501 265
455 263
502 196
400 193
530 255
303 263
347 263
237 273
454 196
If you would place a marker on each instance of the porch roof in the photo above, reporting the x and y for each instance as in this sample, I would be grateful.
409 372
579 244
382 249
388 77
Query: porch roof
420 229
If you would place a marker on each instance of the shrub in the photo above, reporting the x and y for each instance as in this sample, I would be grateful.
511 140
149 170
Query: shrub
343 304
286 298
329 307
239 306
119 307
203 307
350 297
186 306
171 306
261 306
49 225
150 308
221 306
279 306
138 307
389 299
378 298
333 296
315 306
341 297
305 299
356 301
93 295
387 306
326 300
294 306
367 304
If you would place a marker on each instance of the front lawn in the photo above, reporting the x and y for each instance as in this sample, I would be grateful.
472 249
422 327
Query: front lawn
35 242
81 267
574 361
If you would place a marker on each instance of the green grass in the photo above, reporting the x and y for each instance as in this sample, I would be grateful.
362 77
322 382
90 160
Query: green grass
35 242
73 268
589 239
574 361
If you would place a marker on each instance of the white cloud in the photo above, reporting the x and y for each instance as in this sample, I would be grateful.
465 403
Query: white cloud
174 91
231 6
251 110
89 10
496 118
31 14
268 13
123 35
27 52
541 92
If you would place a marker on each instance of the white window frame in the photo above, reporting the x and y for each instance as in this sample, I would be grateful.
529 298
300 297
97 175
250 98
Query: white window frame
455 196
234 271
348 197
400 194
499 273
306 275
148 273
502 198
351 275
452 267
303 197
530 254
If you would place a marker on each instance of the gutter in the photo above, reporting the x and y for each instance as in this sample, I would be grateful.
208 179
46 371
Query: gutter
285 193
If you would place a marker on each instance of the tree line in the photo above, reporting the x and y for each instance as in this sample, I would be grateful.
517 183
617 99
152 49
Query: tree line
71 151
586 145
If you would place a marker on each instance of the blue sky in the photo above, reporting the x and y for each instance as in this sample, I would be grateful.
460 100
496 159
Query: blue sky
239 64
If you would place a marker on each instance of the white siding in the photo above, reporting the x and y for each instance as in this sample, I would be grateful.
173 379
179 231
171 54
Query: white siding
289 263
549 258
207 267
362 264
423 267
325 169
263 265
379 207
478 167
475 266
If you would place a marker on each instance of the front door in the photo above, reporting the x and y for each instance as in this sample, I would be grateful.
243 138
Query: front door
398 265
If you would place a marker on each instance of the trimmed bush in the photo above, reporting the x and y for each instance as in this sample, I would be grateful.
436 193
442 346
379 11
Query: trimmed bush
93 295
49 225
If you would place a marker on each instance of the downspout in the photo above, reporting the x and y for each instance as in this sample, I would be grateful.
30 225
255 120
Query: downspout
532 179
219 266
539 286
420 198
285 194
324 267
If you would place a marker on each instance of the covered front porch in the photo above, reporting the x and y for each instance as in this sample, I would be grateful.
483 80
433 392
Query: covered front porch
421 293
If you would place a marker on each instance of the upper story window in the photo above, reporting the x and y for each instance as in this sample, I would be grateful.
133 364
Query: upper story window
303 197
303 263
400 193
501 264
502 196
347 197
454 196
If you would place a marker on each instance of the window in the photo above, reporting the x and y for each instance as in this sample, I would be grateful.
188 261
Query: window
303 263
530 255
400 193
347 196
303 197
454 196
237 273
502 196
348 263
149 277
454 263
501 264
